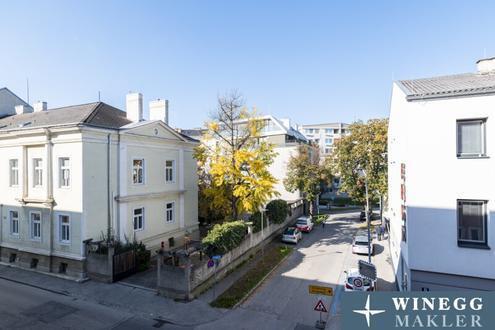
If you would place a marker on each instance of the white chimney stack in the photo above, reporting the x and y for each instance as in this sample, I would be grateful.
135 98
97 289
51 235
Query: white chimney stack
159 110
21 108
40 106
486 65
134 106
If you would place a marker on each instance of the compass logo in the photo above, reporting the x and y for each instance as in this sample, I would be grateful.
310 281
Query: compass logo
367 312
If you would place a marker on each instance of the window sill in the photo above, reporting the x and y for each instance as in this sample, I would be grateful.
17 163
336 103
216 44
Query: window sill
480 246
472 157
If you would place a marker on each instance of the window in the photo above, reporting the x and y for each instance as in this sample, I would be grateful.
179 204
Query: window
471 138
329 141
14 222
35 225
328 150
38 172
328 131
335 131
64 223
138 171
64 175
14 172
170 212
138 219
344 131
471 223
169 171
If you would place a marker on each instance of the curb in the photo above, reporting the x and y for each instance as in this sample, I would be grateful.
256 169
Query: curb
34 286
250 292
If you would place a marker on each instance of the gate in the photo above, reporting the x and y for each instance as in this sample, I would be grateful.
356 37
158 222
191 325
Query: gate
124 264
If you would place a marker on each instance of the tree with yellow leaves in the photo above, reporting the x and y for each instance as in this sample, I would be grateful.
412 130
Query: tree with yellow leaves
234 160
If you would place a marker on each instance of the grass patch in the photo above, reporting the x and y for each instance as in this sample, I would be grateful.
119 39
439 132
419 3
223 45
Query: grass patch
318 219
237 291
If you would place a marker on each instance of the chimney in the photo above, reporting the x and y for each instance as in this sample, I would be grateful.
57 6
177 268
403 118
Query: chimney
134 106
159 110
40 106
21 108
486 65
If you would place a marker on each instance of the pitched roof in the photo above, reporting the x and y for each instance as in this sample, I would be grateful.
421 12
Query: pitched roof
466 84
97 114
8 101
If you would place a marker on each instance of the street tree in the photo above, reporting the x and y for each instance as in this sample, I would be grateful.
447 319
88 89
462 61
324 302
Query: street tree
234 161
365 148
306 174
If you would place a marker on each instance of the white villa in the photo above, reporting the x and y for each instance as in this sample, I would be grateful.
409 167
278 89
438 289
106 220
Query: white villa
441 181
77 172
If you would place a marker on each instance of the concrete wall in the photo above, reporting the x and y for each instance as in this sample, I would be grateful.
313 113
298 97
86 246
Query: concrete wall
201 276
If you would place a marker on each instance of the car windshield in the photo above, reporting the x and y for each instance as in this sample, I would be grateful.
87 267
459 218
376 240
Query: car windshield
301 222
289 231
360 243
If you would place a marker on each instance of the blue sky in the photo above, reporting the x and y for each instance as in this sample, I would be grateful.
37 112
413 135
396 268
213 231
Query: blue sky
311 61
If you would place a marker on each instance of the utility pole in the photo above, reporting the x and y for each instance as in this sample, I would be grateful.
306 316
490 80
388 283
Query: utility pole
368 216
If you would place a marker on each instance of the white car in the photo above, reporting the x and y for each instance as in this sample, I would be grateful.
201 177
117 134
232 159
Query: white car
291 235
354 281
360 245
304 224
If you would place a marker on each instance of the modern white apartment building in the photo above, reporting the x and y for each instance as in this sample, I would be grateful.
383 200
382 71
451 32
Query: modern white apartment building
285 137
75 173
324 135
441 181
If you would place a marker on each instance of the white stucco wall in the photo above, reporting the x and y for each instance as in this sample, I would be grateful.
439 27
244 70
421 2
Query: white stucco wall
423 135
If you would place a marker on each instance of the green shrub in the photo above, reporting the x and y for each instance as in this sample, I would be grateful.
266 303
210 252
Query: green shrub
277 210
224 237
255 219
342 201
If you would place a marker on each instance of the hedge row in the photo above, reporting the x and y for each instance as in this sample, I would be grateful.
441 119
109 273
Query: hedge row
277 211
224 237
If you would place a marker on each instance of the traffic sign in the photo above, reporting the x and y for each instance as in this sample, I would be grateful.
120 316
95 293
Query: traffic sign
325 290
367 269
320 307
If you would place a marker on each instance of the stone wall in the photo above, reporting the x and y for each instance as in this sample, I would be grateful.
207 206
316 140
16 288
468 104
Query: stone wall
173 281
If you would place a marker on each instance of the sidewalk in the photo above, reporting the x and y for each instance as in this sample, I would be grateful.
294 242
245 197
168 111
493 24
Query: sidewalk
140 302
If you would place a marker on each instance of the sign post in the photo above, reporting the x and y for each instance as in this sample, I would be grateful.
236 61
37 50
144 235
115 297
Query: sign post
320 307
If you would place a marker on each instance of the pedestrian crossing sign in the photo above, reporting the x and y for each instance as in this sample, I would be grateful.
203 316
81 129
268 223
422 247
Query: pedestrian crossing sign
320 307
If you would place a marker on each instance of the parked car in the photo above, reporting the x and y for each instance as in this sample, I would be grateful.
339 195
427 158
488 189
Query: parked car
291 235
362 215
304 224
354 281
360 245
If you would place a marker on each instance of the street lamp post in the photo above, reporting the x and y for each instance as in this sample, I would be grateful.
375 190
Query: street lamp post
368 220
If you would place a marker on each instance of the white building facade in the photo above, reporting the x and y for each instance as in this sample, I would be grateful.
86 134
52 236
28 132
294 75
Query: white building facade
441 203
324 135
76 173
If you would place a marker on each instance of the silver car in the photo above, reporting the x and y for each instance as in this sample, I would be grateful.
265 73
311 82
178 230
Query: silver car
291 235
360 245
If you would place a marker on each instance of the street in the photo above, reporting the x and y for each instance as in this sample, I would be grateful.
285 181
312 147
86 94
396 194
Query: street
282 302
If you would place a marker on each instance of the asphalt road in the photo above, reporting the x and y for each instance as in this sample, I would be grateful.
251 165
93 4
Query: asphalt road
283 301
25 307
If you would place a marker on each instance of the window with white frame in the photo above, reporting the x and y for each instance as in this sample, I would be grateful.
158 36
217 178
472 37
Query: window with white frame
138 171
14 172
169 171
170 211
138 218
37 172
471 138
14 222
64 223
471 223
328 141
35 225
64 174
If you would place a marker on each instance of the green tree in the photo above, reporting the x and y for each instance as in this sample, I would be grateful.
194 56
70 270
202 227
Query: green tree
234 161
365 148
306 174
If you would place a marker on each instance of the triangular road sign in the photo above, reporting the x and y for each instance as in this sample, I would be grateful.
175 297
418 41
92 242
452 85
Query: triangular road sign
320 307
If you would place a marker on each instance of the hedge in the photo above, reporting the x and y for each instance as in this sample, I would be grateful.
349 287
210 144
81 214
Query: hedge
277 210
224 237
255 219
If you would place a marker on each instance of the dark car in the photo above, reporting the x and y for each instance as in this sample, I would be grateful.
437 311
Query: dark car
362 215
